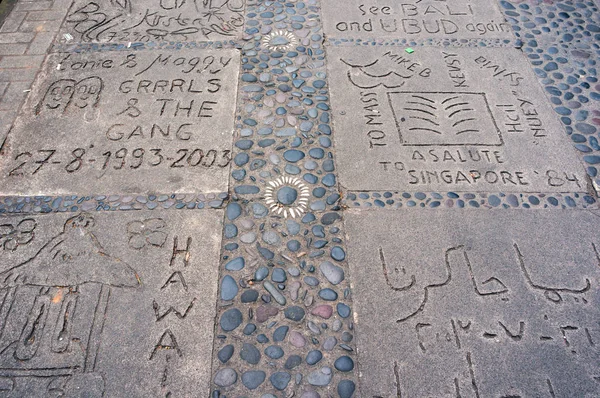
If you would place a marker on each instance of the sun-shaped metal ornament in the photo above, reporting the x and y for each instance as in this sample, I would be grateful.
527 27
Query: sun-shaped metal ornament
280 40
287 196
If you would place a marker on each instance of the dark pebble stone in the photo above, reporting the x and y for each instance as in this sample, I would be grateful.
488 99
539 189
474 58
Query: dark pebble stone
225 353
266 253
274 352
311 281
231 231
293 361
319 192
330 218
231 246
278 275
328 180
253 378
337 253
313 357
294 313
244 144
310 178
293 155
592 159
280 333
229 288
249 296
331 199
345 388
328 294
236 264
246 189
320 243
261 273
249 329
291 169
231 319
241 159
328 165
266 142
343 310
261 338
316 153
347 337
257 164
280 380
287 195
238 175
318 231
585 128
293 245
344 364
233 211
250 354
308 218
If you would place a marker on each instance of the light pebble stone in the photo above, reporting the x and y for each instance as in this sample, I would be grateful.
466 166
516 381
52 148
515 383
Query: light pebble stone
293 288
297 340
225 377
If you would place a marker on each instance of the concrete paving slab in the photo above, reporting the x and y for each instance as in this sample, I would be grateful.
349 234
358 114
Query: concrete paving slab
414 19
113 305
125 123
108 21
430 120
476 304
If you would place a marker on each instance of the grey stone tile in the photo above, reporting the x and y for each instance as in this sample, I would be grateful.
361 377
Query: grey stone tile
45 15
6 120
116 122
14 95
41 43
18 74
7 38
12 49
39 26
12 23
108 304
429 121
476 304
32 5
22 61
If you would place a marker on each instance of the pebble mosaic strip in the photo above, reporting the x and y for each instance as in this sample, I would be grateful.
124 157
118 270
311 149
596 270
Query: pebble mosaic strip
429 200
145 46
284 316
74 203
284 319
449 42
283 123
562 41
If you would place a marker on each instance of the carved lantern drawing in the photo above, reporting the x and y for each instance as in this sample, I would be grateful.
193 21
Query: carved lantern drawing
52 314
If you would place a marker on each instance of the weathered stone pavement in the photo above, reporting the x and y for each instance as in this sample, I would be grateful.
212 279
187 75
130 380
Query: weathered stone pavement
304 198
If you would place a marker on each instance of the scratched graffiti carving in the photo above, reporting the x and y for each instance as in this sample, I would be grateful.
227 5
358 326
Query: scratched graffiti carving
435 335
486 308
67 94
14 235
150 232
428 121
128 21
52 312
490 286
460 118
